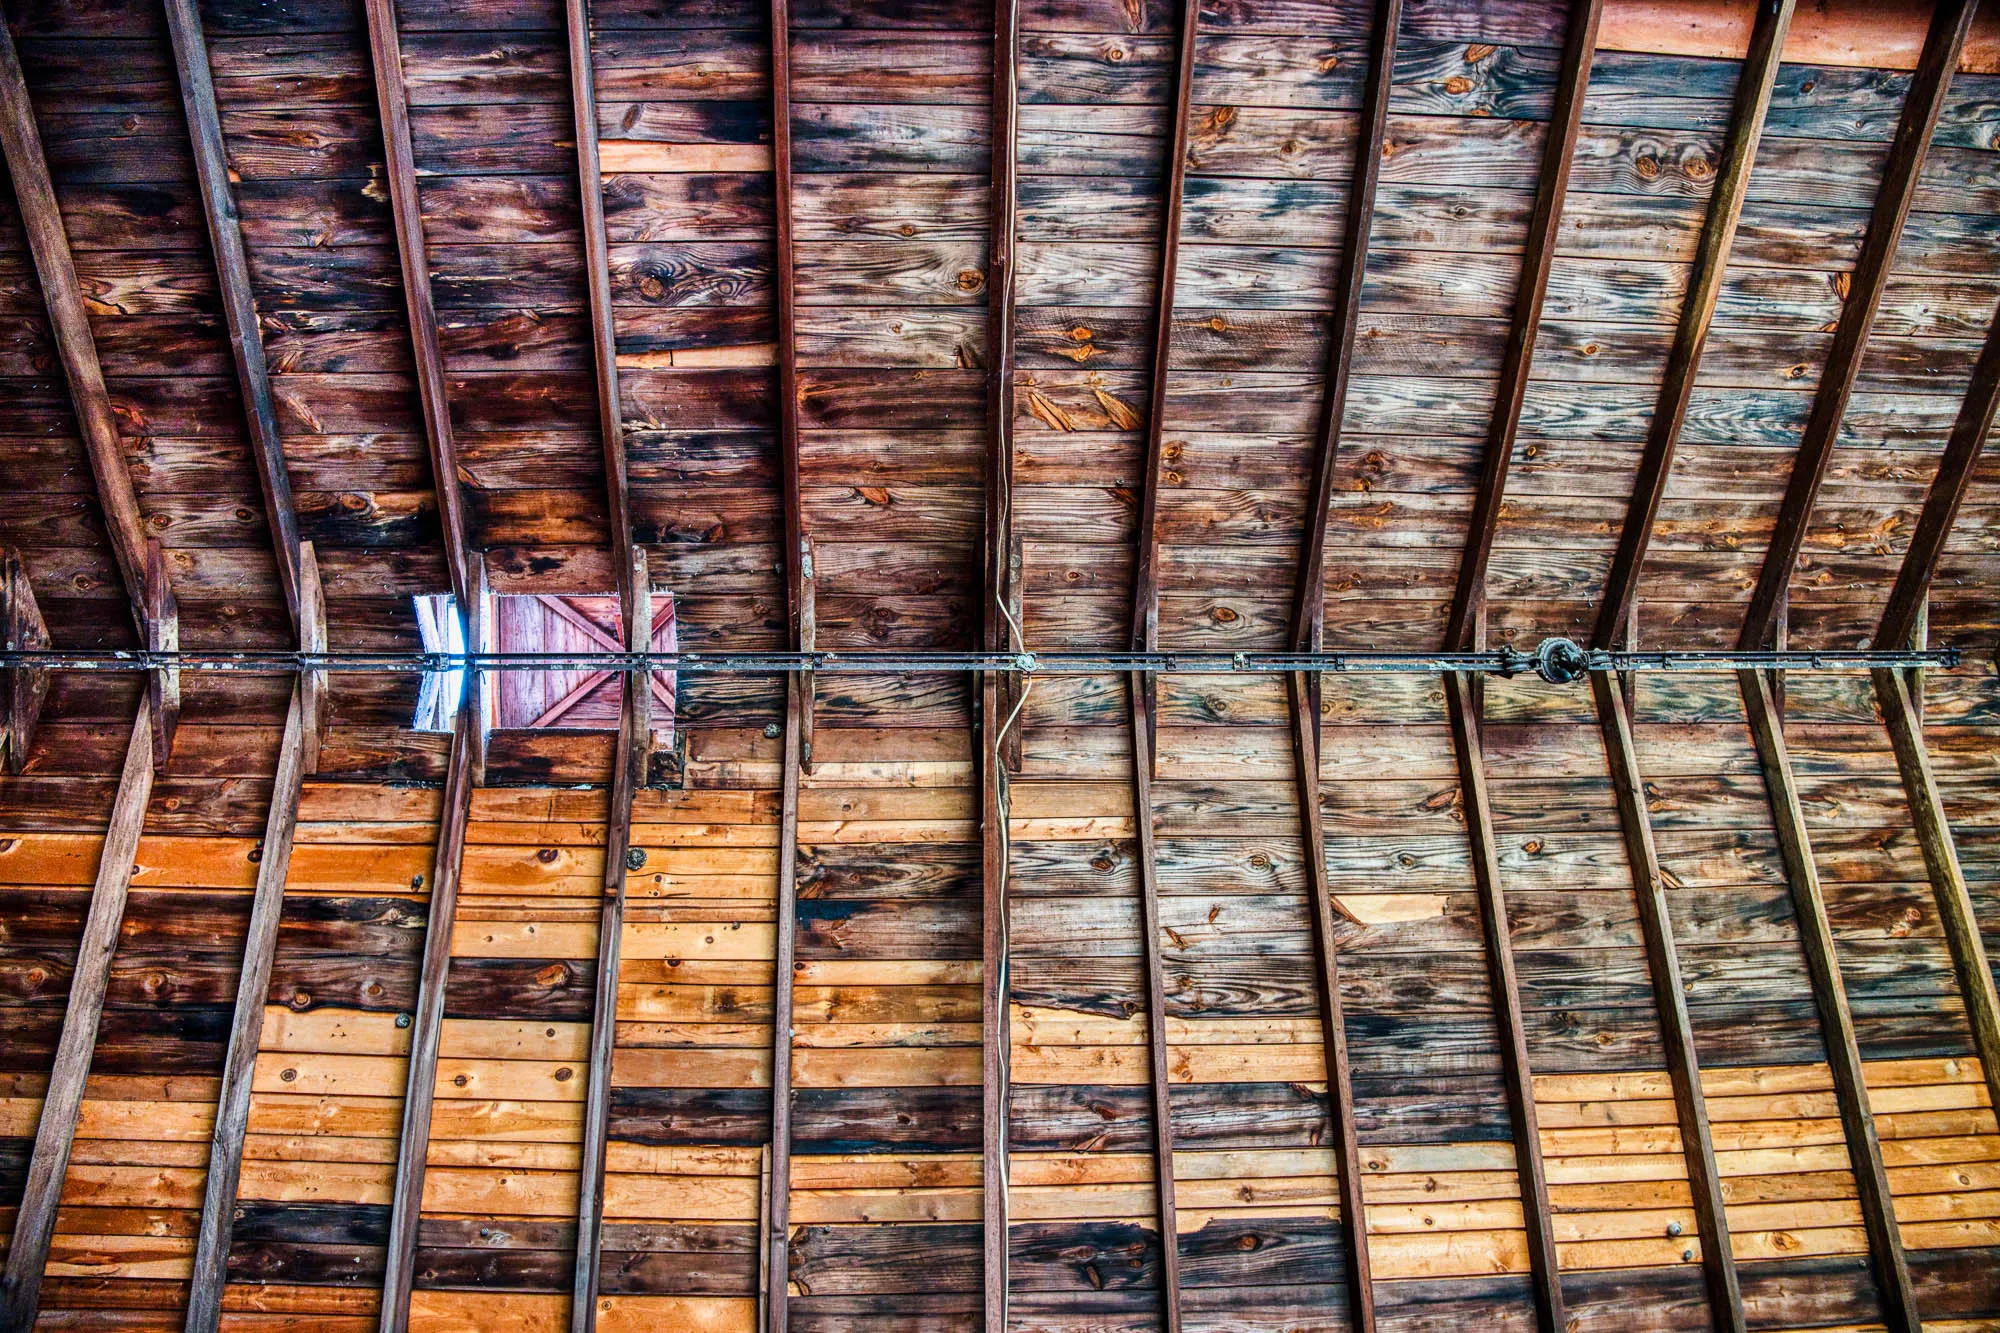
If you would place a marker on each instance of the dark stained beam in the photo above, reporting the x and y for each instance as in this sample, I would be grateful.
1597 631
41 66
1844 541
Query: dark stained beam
777 1244
246 1028
1956 913
1308 626
427 1024
1843 1054
628 775
1951 23
799 608
1954 477
1544 1270
1305 700
1156 1002
22 689
35 1220
232 272
997 694
1517 362
1711 265
1656 927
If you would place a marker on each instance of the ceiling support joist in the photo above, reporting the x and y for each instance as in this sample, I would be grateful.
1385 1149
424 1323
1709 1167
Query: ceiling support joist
141 562
1718 1261
800 614
22 688
1951 23
232 273
35 1221
1711 265
628 775
775 1258
1843 1054
1517 362
1308 624
1467 747
1956 913
1156 1003
427 1025
1908 599
246 1028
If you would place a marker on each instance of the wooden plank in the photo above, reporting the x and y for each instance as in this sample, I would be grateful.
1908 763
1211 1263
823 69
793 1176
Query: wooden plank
314 704
800 614
385 49
1628 785
1962 450
1305 701
1951 23
232 272
1857 1121
427 1023
597 276
246 1027
635 723
1145 583
1308 624
995 1035
1517 362
1142 704
35 1220
776 1247
1956 913
1711 266
1541 1242
24 688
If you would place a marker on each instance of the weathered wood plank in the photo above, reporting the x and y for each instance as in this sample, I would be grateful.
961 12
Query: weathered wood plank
597 274
1139 689
776 1243
22 689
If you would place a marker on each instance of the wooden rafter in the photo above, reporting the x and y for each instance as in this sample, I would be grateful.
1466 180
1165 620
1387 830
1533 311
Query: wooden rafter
1843 1053
1954 477
1544 1270
801 617
776 1248
313 701
1951 23
427 1024
1656 927
232 272
22 689
1517 362
62 1102
628 774
1711 265
1156 1006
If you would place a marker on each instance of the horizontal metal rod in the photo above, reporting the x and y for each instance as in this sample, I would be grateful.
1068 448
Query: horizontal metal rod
1554 659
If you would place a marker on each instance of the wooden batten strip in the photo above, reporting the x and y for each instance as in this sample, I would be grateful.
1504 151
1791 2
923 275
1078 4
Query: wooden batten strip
314 704
1951 23
995 1031
246 1027
1843 1054
1711 265
55 1133
635 725
1517 362
232 272
798 561
427 1024
776 1249
385 48
22 689
1628 785
1541 1241
1308 624
1142 704
1305 701
1962 450
1956 913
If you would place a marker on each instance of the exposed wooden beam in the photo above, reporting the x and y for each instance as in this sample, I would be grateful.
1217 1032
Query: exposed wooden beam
1843 1053
314 704
232 272
1305 701
1145 580
246 1029
1308 625
1663 968
777 1244
800 618
1517 362
997 694
35 1220
1951 22
1544 1270
22 689
1962 449
1711 265
1956 913
427 1024
628 775
1156 1003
